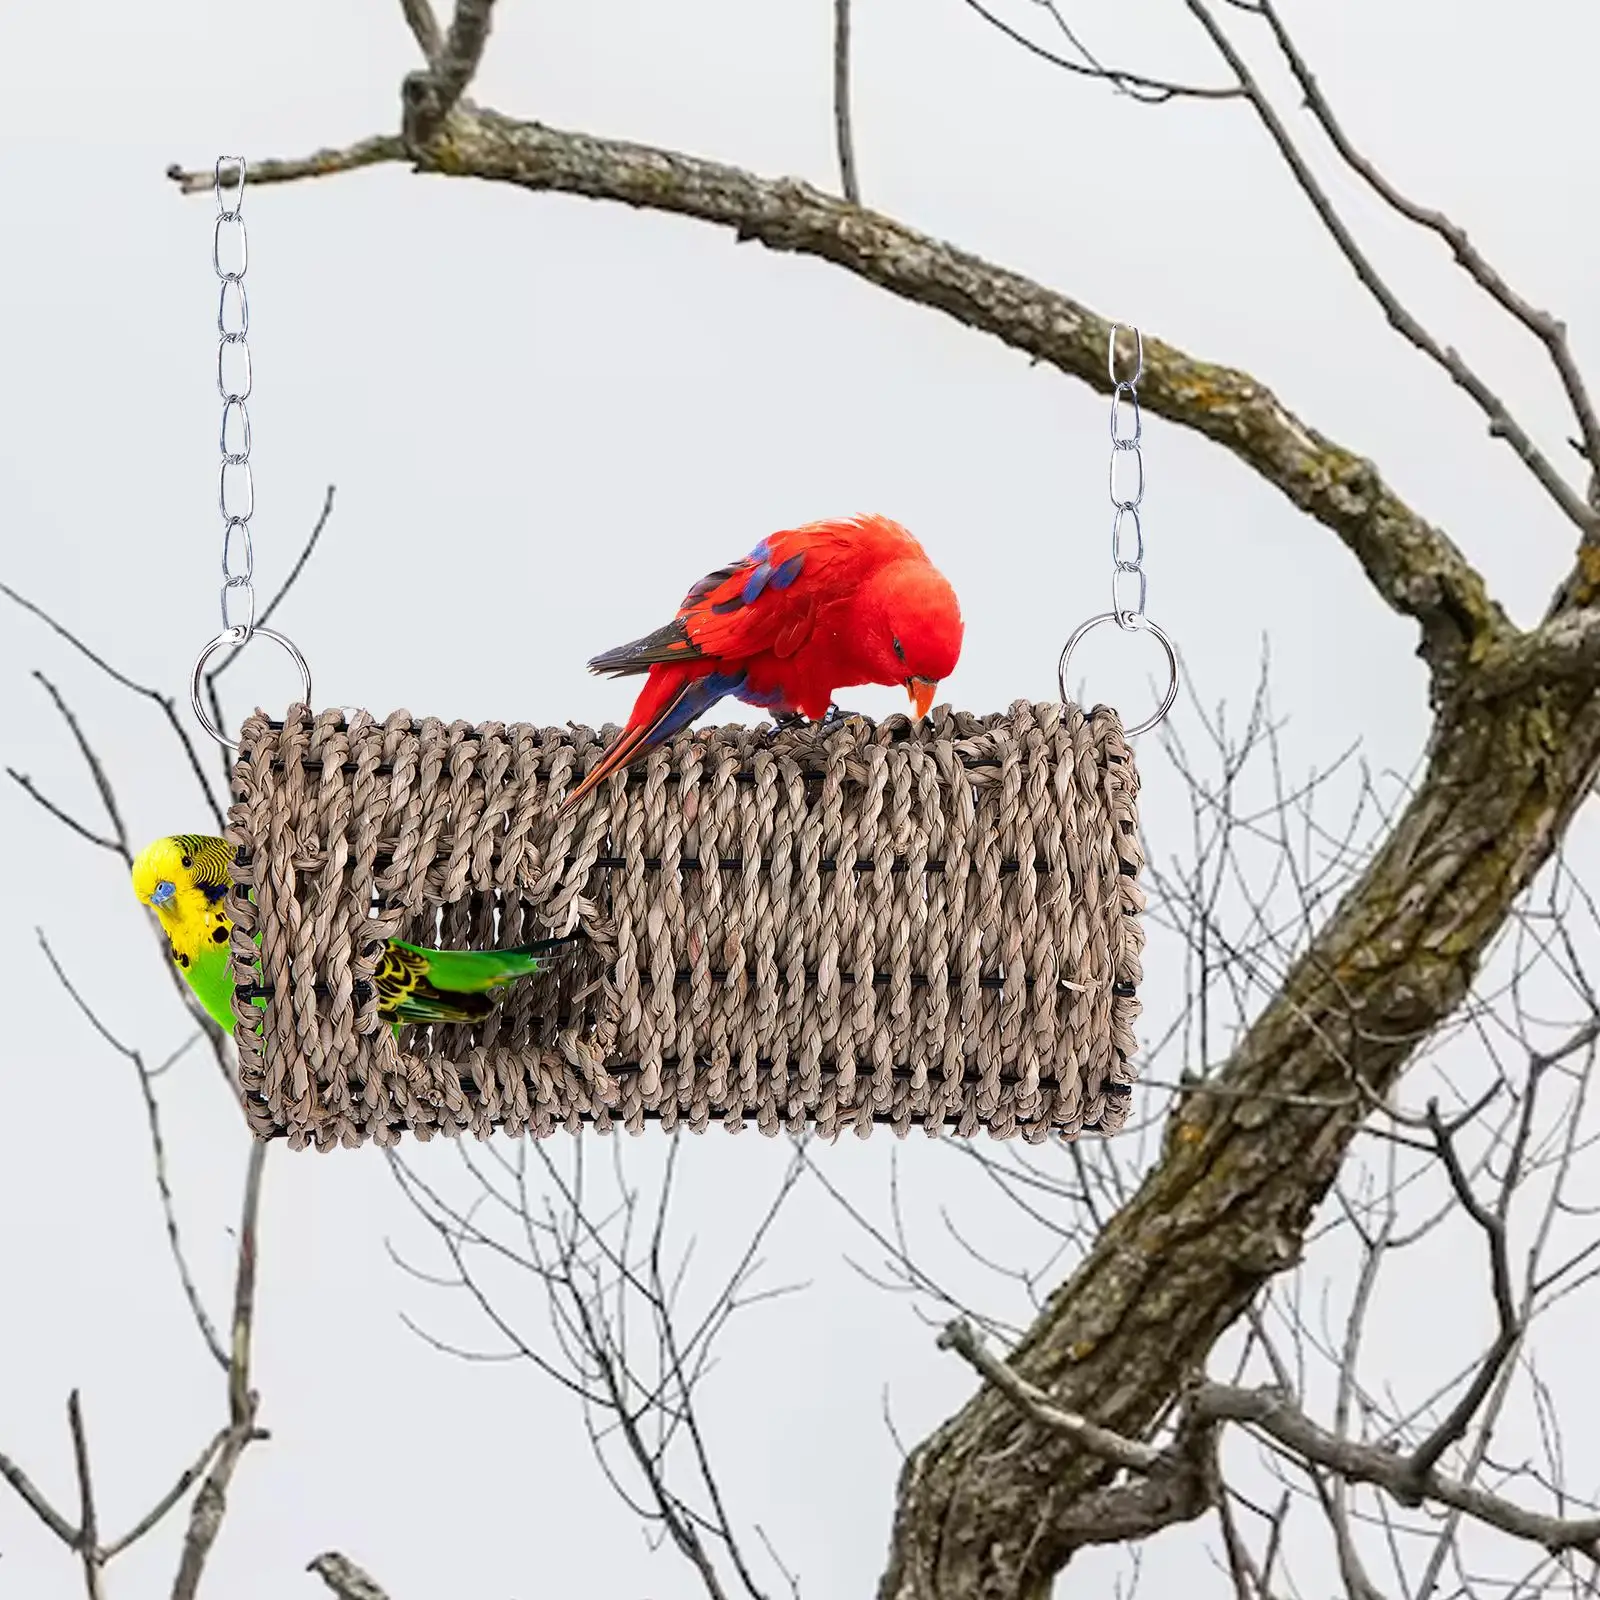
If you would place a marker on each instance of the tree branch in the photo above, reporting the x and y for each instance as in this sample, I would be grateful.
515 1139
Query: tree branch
167 705
1502 424
1547 329
345 1578
1417 570
843 138
186 1480
1127 1453
1153 91
36 1502
157 1146
211 1503
428 97
1270 1412
88 1525
424 27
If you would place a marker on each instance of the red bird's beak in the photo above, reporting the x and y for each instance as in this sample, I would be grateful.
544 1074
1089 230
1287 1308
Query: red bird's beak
921 691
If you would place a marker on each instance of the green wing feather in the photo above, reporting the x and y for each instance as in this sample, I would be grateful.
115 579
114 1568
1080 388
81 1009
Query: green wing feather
418 985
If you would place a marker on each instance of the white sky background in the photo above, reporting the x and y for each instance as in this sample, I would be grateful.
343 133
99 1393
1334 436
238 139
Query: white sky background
545 417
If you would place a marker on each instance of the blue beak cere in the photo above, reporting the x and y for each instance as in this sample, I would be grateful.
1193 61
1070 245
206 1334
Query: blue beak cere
162 893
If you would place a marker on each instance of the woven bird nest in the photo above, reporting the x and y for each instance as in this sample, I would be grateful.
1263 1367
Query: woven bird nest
931 925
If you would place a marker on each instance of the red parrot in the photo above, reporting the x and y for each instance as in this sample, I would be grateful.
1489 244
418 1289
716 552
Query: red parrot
811 610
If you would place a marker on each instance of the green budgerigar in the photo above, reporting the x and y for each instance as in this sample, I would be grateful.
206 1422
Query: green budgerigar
184 880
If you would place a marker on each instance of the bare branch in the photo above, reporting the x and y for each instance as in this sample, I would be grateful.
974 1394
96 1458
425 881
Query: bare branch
1547 329
340 1573
1270 1412
1151 90
158 1149
211 1503
167 705
1427 1455
429 96
1502 424
843 137
1415 568
88 1526
1129 1453
36 1502
83 831
424 28
185 1481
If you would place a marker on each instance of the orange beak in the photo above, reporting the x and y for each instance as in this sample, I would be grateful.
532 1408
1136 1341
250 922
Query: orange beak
922 691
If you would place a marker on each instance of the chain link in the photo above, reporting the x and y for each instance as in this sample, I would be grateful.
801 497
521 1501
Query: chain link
236 487
228 239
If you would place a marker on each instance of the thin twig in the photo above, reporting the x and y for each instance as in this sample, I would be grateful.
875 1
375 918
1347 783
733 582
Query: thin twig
1547 329
1501 423
1151 90
158 1149
36 1502
185 1481
843 137
89 1525
168 706
1509 1327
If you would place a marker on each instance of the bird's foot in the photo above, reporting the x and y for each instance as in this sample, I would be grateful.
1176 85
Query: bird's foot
835 717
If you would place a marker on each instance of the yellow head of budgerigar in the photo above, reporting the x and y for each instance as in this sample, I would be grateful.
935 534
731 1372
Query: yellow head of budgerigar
184 879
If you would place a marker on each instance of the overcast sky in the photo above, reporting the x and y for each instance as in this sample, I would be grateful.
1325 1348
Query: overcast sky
545 417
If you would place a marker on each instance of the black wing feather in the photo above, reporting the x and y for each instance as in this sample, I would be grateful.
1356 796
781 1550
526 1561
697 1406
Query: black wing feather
671 643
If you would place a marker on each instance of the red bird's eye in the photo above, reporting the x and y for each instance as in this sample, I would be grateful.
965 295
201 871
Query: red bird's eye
899 649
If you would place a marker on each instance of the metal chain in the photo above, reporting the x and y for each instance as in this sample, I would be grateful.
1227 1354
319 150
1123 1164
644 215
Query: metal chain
1126 447
233 326
1127 528
238 548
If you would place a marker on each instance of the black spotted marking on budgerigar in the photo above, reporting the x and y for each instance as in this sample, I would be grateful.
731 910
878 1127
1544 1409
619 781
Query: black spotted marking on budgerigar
212 891
220 935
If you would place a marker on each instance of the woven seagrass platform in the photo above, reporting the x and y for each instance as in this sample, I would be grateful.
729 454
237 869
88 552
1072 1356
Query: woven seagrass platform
925 926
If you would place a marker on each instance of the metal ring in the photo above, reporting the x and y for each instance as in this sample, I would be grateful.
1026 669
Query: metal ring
235 636
1139 622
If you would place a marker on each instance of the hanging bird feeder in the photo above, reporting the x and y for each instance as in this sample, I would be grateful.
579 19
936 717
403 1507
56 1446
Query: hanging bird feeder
930 925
